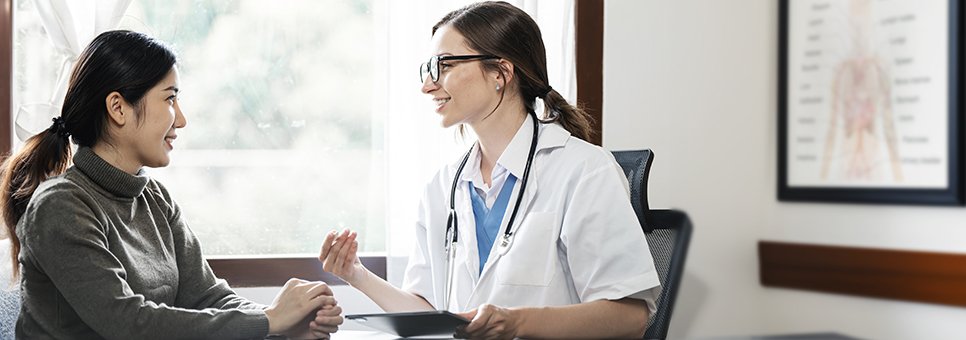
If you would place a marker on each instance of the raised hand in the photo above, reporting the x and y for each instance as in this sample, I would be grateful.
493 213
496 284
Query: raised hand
339 256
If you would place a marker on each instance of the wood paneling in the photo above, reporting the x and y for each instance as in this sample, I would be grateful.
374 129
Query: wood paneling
892 274
6 74
274 271
589 45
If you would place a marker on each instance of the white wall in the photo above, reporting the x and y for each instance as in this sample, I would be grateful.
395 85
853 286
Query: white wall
696 82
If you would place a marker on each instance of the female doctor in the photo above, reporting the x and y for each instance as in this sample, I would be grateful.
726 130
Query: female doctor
532 231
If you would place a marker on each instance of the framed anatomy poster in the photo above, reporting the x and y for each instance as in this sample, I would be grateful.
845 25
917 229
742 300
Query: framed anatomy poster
870 101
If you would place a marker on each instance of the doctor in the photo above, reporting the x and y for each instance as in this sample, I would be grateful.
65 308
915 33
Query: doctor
532 231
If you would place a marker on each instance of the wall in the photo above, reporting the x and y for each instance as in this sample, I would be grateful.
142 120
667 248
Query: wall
696 82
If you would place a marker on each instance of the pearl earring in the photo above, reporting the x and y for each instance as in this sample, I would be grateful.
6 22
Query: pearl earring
498 87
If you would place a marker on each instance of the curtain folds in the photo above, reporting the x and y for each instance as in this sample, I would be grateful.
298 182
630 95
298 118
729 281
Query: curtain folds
70 25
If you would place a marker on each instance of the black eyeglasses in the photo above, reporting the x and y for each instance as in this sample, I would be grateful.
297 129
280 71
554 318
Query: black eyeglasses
431 67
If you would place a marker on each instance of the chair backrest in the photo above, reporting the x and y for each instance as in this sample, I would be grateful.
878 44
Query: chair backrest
637 167
668 234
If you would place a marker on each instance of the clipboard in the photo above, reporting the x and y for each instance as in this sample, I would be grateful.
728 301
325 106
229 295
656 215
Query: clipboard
439 322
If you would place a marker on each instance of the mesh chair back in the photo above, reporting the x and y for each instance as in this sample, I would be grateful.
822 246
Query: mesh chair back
669 248
637 166
668 233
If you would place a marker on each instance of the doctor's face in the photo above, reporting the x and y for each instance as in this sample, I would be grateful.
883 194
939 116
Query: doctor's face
464 91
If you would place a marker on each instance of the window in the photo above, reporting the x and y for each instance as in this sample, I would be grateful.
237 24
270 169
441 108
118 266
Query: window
282 143
303 115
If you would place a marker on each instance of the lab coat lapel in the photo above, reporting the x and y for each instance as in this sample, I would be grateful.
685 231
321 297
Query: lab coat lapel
467 223
498 250
514 159
550 137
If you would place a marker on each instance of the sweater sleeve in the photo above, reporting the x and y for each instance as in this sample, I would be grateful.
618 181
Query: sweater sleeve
69 243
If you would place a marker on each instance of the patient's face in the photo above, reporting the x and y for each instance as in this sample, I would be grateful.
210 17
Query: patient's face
152 139
464 92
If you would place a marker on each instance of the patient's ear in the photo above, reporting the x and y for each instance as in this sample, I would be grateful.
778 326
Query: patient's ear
118 109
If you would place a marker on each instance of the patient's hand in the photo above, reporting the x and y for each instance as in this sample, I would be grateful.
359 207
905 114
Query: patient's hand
295 305
339 256
326 321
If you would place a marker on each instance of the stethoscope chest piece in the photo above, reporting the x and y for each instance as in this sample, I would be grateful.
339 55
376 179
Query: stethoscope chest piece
505 244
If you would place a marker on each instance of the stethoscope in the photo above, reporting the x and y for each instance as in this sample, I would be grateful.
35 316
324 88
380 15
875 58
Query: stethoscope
452 227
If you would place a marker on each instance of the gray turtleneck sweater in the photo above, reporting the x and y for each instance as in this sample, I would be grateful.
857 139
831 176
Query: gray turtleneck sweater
107 255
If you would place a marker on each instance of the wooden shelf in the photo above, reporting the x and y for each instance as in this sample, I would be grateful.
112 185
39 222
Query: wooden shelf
883 273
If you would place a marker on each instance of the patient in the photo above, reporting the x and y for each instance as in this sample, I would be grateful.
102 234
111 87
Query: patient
103 249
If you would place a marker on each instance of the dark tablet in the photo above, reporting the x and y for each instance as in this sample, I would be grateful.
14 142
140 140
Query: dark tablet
438 322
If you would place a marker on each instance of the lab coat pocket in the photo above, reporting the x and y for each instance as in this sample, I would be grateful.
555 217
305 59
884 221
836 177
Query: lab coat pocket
532 257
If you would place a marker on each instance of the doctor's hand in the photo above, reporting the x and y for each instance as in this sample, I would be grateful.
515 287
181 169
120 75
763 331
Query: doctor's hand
339 256
490 322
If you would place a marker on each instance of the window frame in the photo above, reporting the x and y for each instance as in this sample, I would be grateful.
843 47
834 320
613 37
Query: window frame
270 271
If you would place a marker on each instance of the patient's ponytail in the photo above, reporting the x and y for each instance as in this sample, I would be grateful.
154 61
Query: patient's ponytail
45 155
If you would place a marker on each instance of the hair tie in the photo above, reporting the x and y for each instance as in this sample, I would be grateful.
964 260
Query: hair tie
60 126
547 93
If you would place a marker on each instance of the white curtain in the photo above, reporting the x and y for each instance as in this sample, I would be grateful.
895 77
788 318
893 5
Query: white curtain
70 25
415 145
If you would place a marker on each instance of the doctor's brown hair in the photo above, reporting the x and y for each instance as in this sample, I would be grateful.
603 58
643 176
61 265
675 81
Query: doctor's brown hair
501 29
125 62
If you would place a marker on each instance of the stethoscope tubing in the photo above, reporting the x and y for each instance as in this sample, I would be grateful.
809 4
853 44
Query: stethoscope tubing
452 226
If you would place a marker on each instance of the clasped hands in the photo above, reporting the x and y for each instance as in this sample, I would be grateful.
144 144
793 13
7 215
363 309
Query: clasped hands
291 314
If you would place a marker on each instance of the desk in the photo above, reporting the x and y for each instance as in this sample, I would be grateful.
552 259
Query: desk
372 335
804 336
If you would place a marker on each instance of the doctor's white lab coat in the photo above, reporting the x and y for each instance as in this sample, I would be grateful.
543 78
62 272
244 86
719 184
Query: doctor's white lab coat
576 237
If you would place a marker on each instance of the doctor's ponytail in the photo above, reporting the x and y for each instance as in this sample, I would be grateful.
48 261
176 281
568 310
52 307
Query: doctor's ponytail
572 118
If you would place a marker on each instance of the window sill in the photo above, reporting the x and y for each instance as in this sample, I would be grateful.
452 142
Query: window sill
261 271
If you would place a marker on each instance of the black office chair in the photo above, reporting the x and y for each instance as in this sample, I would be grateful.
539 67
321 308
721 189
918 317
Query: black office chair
668 233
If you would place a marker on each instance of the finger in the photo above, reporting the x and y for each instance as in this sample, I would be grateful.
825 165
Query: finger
492 333
317 328
319 288
468 315
329 321
340 261
324 329
326 245
323 300
328 310
330 261
483 315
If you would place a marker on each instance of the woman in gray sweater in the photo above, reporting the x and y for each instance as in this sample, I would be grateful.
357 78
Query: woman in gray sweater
102 250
